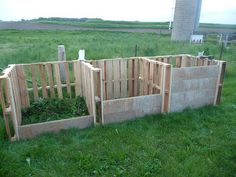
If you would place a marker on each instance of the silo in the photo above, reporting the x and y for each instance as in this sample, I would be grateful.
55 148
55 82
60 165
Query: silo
186 19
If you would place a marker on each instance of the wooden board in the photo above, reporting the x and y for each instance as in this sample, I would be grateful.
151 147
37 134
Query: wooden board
24 95
146 65
109 73
50 79
34 83
16 94
124 78
58 80
101 66
141 69
220 82
43 80
130 77
67 74
193 87
129 108
116 78
32 130
77 78
136 76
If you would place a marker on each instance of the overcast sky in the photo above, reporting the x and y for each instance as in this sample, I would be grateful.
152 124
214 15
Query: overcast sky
213 11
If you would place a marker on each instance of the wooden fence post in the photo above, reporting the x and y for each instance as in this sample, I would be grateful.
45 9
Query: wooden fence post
220 81
62 57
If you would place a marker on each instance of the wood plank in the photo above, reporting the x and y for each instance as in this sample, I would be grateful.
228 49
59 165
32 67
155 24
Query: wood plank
109 72
145 77
16 95
2 100
150 78
67 73
100 95
24 95
92 80
130 77
13 112
155 78
141 69
34 83
77 78
101 65
32 130
178 61
124 109
50 79
222 67
135 76
58 80
163 81
124 78
43 80
116 78
167 89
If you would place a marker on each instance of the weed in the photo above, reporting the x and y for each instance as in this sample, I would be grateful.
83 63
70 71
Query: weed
54 109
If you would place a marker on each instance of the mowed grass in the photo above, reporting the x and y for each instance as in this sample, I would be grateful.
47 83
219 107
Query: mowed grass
199 142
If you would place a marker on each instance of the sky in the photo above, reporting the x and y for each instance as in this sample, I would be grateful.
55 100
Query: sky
213 11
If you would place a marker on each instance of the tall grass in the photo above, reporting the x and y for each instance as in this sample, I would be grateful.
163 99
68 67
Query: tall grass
32 46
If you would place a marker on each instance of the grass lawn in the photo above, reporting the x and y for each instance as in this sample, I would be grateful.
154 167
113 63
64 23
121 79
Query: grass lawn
197 143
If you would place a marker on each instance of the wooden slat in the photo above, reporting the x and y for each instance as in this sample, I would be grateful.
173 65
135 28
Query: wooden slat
130 77
67 73
155 77
150 78
135 76
83 78
163 81
43 80
167 89
92 80
219 88
101 65
145 77
141 69
88 83
178 61
24 95
16 95
100 95
109 71
50 79
116 78
13 112
123 77
2 100
34 83
77 78
58 80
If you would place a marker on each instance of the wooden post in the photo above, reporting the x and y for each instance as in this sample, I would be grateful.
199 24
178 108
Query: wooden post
100 86
62 57
13 109
219 86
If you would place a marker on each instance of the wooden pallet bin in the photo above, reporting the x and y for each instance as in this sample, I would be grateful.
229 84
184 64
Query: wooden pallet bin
115 90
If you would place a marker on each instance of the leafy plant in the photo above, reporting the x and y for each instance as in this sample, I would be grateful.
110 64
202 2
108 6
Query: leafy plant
54 109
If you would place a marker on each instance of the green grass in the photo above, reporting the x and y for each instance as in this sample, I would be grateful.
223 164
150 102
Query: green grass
199 142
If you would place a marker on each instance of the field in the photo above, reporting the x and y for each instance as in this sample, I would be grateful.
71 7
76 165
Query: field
198 142
99 23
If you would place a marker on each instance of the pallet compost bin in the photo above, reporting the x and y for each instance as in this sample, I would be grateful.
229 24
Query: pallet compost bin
115 90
